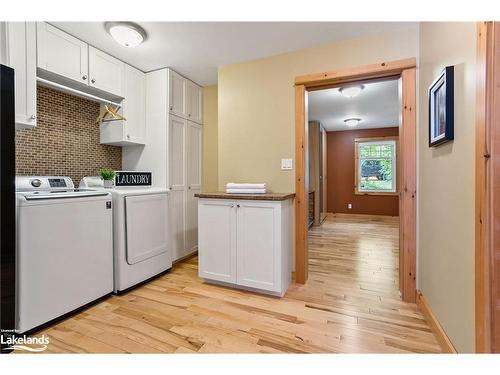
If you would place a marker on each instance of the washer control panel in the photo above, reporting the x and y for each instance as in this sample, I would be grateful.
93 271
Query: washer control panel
57 183
35 183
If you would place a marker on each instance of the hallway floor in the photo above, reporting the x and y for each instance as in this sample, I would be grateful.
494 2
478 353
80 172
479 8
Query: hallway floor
350 304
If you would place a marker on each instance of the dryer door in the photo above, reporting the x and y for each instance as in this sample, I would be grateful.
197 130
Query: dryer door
146 226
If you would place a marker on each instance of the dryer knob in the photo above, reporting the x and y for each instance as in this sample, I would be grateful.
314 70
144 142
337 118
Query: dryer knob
36 182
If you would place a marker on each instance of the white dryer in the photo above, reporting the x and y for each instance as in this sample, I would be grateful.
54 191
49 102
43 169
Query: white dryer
142 244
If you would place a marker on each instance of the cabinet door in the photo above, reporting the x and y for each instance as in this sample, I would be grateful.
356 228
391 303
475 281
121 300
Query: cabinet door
177 94
134 105
258 263
194 150
177 183
194 98
217 241
21 52
193 173
61 53
105 72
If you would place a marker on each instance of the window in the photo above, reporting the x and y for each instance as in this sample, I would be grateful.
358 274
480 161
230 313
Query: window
375 166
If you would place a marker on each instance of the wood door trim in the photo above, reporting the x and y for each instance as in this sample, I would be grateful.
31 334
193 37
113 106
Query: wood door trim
487 211
406 69
408 185
379 70
301 185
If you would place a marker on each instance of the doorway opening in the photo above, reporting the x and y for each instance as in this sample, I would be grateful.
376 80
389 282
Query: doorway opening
405 72
353 162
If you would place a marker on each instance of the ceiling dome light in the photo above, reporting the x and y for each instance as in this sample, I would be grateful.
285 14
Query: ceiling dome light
352 121
351 91
128 34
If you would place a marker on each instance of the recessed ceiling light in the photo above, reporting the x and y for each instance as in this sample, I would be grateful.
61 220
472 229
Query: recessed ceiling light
128 34
351 91
352 121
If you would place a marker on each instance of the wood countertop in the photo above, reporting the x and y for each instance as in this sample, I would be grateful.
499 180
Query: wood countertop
252 197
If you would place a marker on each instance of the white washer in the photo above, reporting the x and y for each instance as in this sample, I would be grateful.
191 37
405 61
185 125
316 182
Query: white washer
141 232
64 249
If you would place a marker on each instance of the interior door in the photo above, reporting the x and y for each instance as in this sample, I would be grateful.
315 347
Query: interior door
217 255
106 73
177 183
61 53
177 94
147 223
194 145
257 245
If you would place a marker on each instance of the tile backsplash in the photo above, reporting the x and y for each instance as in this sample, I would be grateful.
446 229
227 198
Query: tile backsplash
65 141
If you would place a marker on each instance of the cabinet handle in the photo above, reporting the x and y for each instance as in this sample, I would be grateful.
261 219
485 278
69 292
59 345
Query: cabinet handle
238 205
128 136
33 117
171 107
92 80
189 187
84 77
189 115
232 206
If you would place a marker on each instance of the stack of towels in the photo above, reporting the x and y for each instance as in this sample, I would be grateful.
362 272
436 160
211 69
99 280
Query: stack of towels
239 188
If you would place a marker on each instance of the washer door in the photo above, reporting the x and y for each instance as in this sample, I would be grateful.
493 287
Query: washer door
146 226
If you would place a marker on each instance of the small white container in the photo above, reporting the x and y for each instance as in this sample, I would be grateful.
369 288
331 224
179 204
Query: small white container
108 184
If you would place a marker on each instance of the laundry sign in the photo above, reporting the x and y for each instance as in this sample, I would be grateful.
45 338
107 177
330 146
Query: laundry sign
133 178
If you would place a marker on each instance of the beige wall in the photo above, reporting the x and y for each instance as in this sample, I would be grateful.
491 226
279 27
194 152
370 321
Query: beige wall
256 103
446 185
210 154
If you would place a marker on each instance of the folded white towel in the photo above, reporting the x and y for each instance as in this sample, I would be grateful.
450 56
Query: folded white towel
235 185
246 191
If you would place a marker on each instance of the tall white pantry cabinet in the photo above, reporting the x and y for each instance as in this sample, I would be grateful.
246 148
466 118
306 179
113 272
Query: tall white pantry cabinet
173 151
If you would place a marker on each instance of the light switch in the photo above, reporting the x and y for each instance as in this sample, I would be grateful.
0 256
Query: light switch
286 164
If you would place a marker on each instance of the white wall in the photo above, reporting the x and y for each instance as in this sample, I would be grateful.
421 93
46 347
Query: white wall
256 103
446 185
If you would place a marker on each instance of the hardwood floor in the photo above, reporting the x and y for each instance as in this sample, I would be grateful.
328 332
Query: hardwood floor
350 304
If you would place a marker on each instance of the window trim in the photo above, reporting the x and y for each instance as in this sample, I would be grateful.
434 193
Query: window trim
357 141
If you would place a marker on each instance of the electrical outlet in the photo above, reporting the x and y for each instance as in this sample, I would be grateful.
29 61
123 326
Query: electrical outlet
349 206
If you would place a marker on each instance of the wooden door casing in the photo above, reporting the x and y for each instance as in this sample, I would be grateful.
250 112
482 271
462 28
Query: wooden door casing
405 69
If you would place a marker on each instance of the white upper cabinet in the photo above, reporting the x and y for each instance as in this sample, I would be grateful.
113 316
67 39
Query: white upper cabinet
194 99
177 94
185 98
20 54
105 72
134 105
132 131
62 57
61 53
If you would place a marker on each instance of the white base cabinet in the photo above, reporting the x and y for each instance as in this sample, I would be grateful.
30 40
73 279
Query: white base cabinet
246 243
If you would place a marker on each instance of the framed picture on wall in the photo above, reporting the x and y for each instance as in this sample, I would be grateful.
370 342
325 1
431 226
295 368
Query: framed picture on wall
441 109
